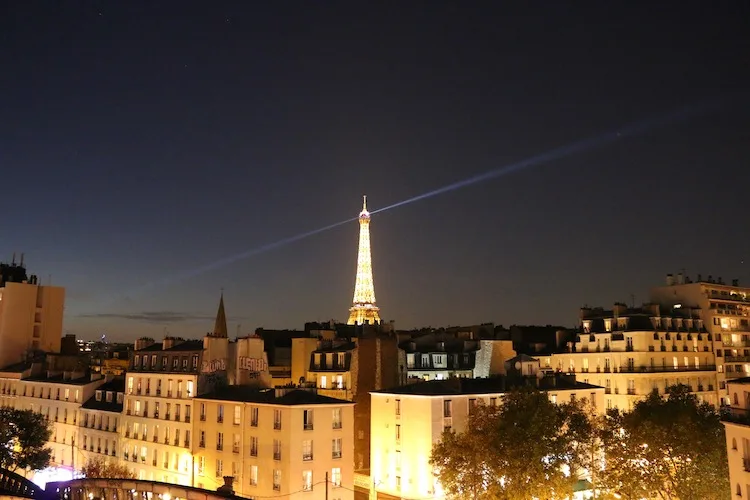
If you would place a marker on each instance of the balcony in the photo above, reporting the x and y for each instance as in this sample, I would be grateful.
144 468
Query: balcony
277 426
167 416
187 419
631 392
737 359
307 426
220 419
202 444
219 446
253 452
746 464
336 454
235 449
337 425
277 455
187 443
202 418
158 392
156 413
169 394
156 438
153 463
179 394
307 457
658 369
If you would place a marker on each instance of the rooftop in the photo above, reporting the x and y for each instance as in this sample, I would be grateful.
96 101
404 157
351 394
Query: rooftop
292 397
492 385
187 345
115 386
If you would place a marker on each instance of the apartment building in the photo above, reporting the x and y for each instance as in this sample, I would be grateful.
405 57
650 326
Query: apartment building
634 351
725 309
56 386
99 420
31 315
441 355
161 383
282 442
737 432
408 420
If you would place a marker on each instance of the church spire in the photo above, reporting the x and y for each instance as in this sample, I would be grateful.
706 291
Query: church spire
220 326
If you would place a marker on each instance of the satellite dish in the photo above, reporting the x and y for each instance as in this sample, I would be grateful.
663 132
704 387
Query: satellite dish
518 365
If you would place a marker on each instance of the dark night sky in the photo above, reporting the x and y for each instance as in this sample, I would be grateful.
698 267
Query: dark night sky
140 139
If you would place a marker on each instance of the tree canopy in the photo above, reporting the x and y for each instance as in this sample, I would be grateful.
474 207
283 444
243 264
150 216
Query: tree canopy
23 439
524 448
97 467
667 448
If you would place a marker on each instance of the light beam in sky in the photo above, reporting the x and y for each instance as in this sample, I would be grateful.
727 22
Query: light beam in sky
628 130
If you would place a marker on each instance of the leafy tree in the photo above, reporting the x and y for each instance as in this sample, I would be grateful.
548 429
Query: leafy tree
23 436
671 448
528 447
97 467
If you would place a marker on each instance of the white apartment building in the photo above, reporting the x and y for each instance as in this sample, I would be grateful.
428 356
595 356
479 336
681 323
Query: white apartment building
634 351
31 315
282 442
163 380
737 427
57 391
725 308
99 420
408 420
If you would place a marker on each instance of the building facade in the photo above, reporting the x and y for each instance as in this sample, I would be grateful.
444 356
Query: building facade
408 420
634 351
55 387
725 309
31 315
98 422
737 432
283 442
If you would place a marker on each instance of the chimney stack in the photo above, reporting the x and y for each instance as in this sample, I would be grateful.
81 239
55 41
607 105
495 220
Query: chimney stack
670 279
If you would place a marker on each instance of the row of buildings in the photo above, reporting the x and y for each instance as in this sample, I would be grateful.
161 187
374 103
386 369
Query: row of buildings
354 409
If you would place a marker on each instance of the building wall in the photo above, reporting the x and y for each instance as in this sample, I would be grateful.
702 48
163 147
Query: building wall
402 439
631 373
491 357
302 349
737 427
726 315
167 440
98 435
31 317
291 436
62 412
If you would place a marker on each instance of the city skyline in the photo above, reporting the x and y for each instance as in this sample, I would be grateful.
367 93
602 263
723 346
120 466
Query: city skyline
144 152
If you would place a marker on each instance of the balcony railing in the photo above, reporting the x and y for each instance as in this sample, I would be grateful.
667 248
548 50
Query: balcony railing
668 368
631 392
337 425
308 426
737 359
307 456
746 464
202 444
336 454
277 455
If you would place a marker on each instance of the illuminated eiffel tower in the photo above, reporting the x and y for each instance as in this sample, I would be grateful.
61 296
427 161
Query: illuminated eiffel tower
363 309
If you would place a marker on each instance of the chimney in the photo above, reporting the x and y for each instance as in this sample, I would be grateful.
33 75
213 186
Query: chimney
226 488
670 280
680 279
710 279
735 282
721 281
143 343
700 278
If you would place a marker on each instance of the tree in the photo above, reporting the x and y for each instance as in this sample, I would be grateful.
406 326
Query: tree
23 436
525 448
97 467
671 448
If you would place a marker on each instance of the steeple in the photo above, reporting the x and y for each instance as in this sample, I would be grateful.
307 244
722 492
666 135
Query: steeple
220 326
363 308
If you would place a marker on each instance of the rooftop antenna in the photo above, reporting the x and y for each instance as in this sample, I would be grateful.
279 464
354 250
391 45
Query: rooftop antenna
13 261
632 301
21 259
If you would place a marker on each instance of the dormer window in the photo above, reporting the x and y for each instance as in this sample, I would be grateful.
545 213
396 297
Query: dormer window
137 361
119 398
98 395
109 396
587 327
608 324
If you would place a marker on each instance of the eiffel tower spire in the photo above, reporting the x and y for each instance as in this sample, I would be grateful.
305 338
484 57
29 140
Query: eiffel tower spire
363 309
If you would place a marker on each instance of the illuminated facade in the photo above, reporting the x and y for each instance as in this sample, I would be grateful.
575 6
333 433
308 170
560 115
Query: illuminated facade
725 309
99 420
364 310
56 388
737 432
408 420
634 351
275 442
31 315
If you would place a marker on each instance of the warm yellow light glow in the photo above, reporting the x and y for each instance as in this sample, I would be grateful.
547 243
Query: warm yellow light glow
364 309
